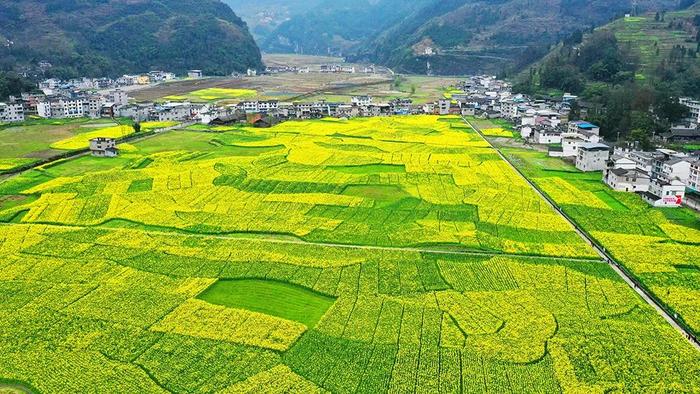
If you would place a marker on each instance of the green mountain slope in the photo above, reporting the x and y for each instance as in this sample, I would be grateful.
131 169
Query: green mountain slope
625 68
264 16
338 26
454 36
111 37
467 36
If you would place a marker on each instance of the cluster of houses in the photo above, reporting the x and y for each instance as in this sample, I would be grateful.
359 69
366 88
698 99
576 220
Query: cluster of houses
662 177
83 97
74 104
60 87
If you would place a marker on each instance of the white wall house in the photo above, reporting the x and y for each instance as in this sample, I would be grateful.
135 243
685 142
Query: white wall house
61 108
694 176
545 136
118 97
676 168
627 180
592 157
11 113
693 107
104 147
665 194
361 100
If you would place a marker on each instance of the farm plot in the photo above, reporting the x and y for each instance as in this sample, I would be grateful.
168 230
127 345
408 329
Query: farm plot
661 247
82 140
126 310
418 181
185 266
31 141
214 94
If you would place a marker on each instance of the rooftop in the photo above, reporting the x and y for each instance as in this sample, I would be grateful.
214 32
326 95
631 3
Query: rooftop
589 146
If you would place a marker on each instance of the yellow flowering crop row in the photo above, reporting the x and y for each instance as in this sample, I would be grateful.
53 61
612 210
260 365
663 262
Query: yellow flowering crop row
201 319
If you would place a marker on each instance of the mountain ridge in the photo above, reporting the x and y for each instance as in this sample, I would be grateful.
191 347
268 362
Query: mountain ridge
112 37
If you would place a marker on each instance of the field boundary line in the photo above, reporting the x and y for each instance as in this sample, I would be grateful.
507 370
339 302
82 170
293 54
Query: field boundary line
441 252
621 270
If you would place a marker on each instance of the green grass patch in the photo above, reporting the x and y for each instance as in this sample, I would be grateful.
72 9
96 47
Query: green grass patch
141 185
612 202
377 192
279 299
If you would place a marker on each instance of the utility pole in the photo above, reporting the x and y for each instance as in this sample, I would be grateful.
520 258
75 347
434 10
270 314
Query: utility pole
635 8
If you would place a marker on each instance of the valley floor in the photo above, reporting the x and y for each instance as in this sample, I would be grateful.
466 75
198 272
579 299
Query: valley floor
373 255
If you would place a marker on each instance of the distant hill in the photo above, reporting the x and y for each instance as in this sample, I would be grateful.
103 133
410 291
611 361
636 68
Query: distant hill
338 27
454 36
648 49
112 37
264 16
462 36
623 69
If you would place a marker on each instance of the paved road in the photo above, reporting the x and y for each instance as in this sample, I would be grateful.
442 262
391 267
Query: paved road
617 267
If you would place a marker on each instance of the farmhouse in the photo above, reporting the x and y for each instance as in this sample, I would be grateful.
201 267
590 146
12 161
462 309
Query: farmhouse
195 74
665 194
104 147
13 112
592 157
627 180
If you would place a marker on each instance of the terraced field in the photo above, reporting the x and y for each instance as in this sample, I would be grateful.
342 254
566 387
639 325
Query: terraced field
373 255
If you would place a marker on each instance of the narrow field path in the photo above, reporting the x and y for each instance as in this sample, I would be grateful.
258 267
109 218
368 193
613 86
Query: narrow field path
646 295
282 241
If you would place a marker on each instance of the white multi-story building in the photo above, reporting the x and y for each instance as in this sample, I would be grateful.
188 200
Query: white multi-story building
693 106
676 168
60 108
172 112
694 176
118 97
11 112
665 194
444 107
546 136
93 106
592 157
627 180
362 100
268 106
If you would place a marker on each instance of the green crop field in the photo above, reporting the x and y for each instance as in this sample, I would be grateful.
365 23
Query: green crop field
661 247
371 255
273 298
652 40
33 140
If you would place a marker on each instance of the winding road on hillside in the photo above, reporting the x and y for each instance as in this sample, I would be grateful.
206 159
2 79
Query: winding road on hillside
646 295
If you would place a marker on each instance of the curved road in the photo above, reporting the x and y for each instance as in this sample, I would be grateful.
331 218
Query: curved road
673 320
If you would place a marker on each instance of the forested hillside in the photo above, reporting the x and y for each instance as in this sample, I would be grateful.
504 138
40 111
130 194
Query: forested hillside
111 37
264 16
624 68
454 36
338 27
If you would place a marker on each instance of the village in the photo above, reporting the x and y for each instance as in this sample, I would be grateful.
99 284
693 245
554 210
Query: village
663 177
